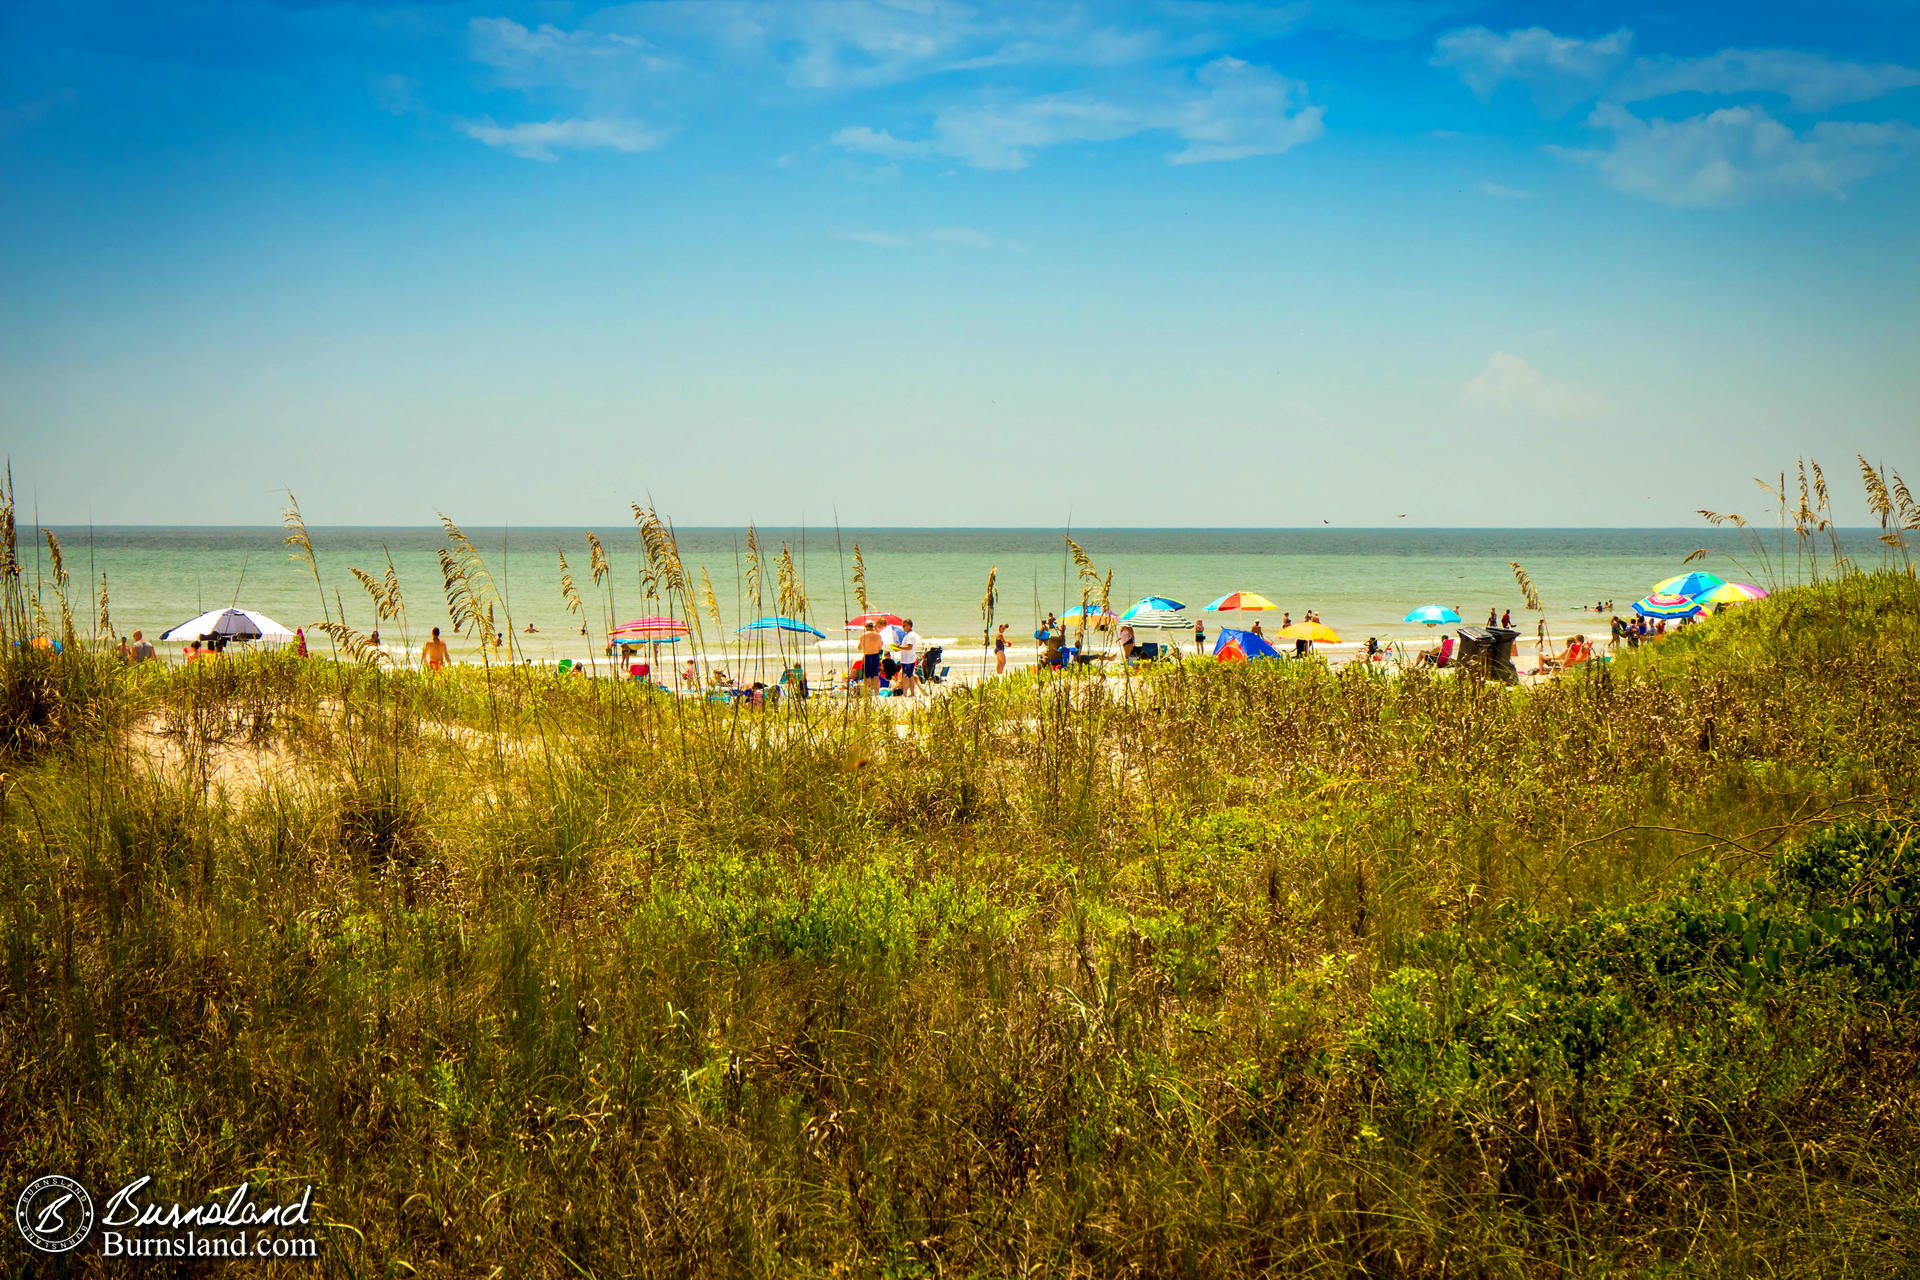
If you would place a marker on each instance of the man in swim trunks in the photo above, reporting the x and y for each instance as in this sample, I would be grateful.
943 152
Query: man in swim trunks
433 654
870 657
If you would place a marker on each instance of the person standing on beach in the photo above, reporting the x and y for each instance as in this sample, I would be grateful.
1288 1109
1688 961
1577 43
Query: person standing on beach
433 654
1493 617
1200 636
870 657
909 654
1000 651
142 648
300 642
123 652
1506 618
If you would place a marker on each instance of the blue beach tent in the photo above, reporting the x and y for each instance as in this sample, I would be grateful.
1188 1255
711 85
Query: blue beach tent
1251 645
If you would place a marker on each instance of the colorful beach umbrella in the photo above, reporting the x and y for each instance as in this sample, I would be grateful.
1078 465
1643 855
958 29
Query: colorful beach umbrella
1692 585
235 624
1151 604
650 631
1732 593
1317 632
1432 614
1156 620
1235 645
789 625
1095 616
1661 604
859 623
1243 602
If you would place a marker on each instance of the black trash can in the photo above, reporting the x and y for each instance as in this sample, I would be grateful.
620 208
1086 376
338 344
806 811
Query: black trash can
1488 652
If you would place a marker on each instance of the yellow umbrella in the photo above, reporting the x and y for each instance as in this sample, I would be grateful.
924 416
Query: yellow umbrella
1731 593
1317 632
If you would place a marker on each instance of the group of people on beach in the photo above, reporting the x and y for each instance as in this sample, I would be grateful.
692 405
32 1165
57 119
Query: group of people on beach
896 672
139 650
1052 637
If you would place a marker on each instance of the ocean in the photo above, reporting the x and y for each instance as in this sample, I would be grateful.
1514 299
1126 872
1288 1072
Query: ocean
1361 581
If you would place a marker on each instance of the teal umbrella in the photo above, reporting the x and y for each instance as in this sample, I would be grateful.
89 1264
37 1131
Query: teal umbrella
1151 604
1694 585
782 624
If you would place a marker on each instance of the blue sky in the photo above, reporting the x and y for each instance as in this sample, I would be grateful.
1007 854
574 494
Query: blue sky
1159 262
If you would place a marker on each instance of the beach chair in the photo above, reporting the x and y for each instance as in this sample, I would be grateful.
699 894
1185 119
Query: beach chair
930 669
1578 650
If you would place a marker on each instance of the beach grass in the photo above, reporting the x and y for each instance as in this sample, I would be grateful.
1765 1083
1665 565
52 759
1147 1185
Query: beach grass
1262 969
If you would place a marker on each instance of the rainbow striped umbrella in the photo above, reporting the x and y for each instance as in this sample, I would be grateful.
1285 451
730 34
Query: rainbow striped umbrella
1732 593
1661 604
1693 585
1243 602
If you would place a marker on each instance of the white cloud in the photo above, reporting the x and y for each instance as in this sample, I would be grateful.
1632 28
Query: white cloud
1004 135
1558 70
542 140
24 115
396 95
965 237
1737 154
843 44
1809 81
1510 385
1243 111
878 142
1231 110
883 239
1504 193
533 57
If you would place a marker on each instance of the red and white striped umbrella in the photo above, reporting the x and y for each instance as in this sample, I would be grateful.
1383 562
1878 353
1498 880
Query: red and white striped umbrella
650 631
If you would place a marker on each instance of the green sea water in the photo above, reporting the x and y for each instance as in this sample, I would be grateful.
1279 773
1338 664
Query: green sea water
1362 582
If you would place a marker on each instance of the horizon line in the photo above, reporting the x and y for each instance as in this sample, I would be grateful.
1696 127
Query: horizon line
968 528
